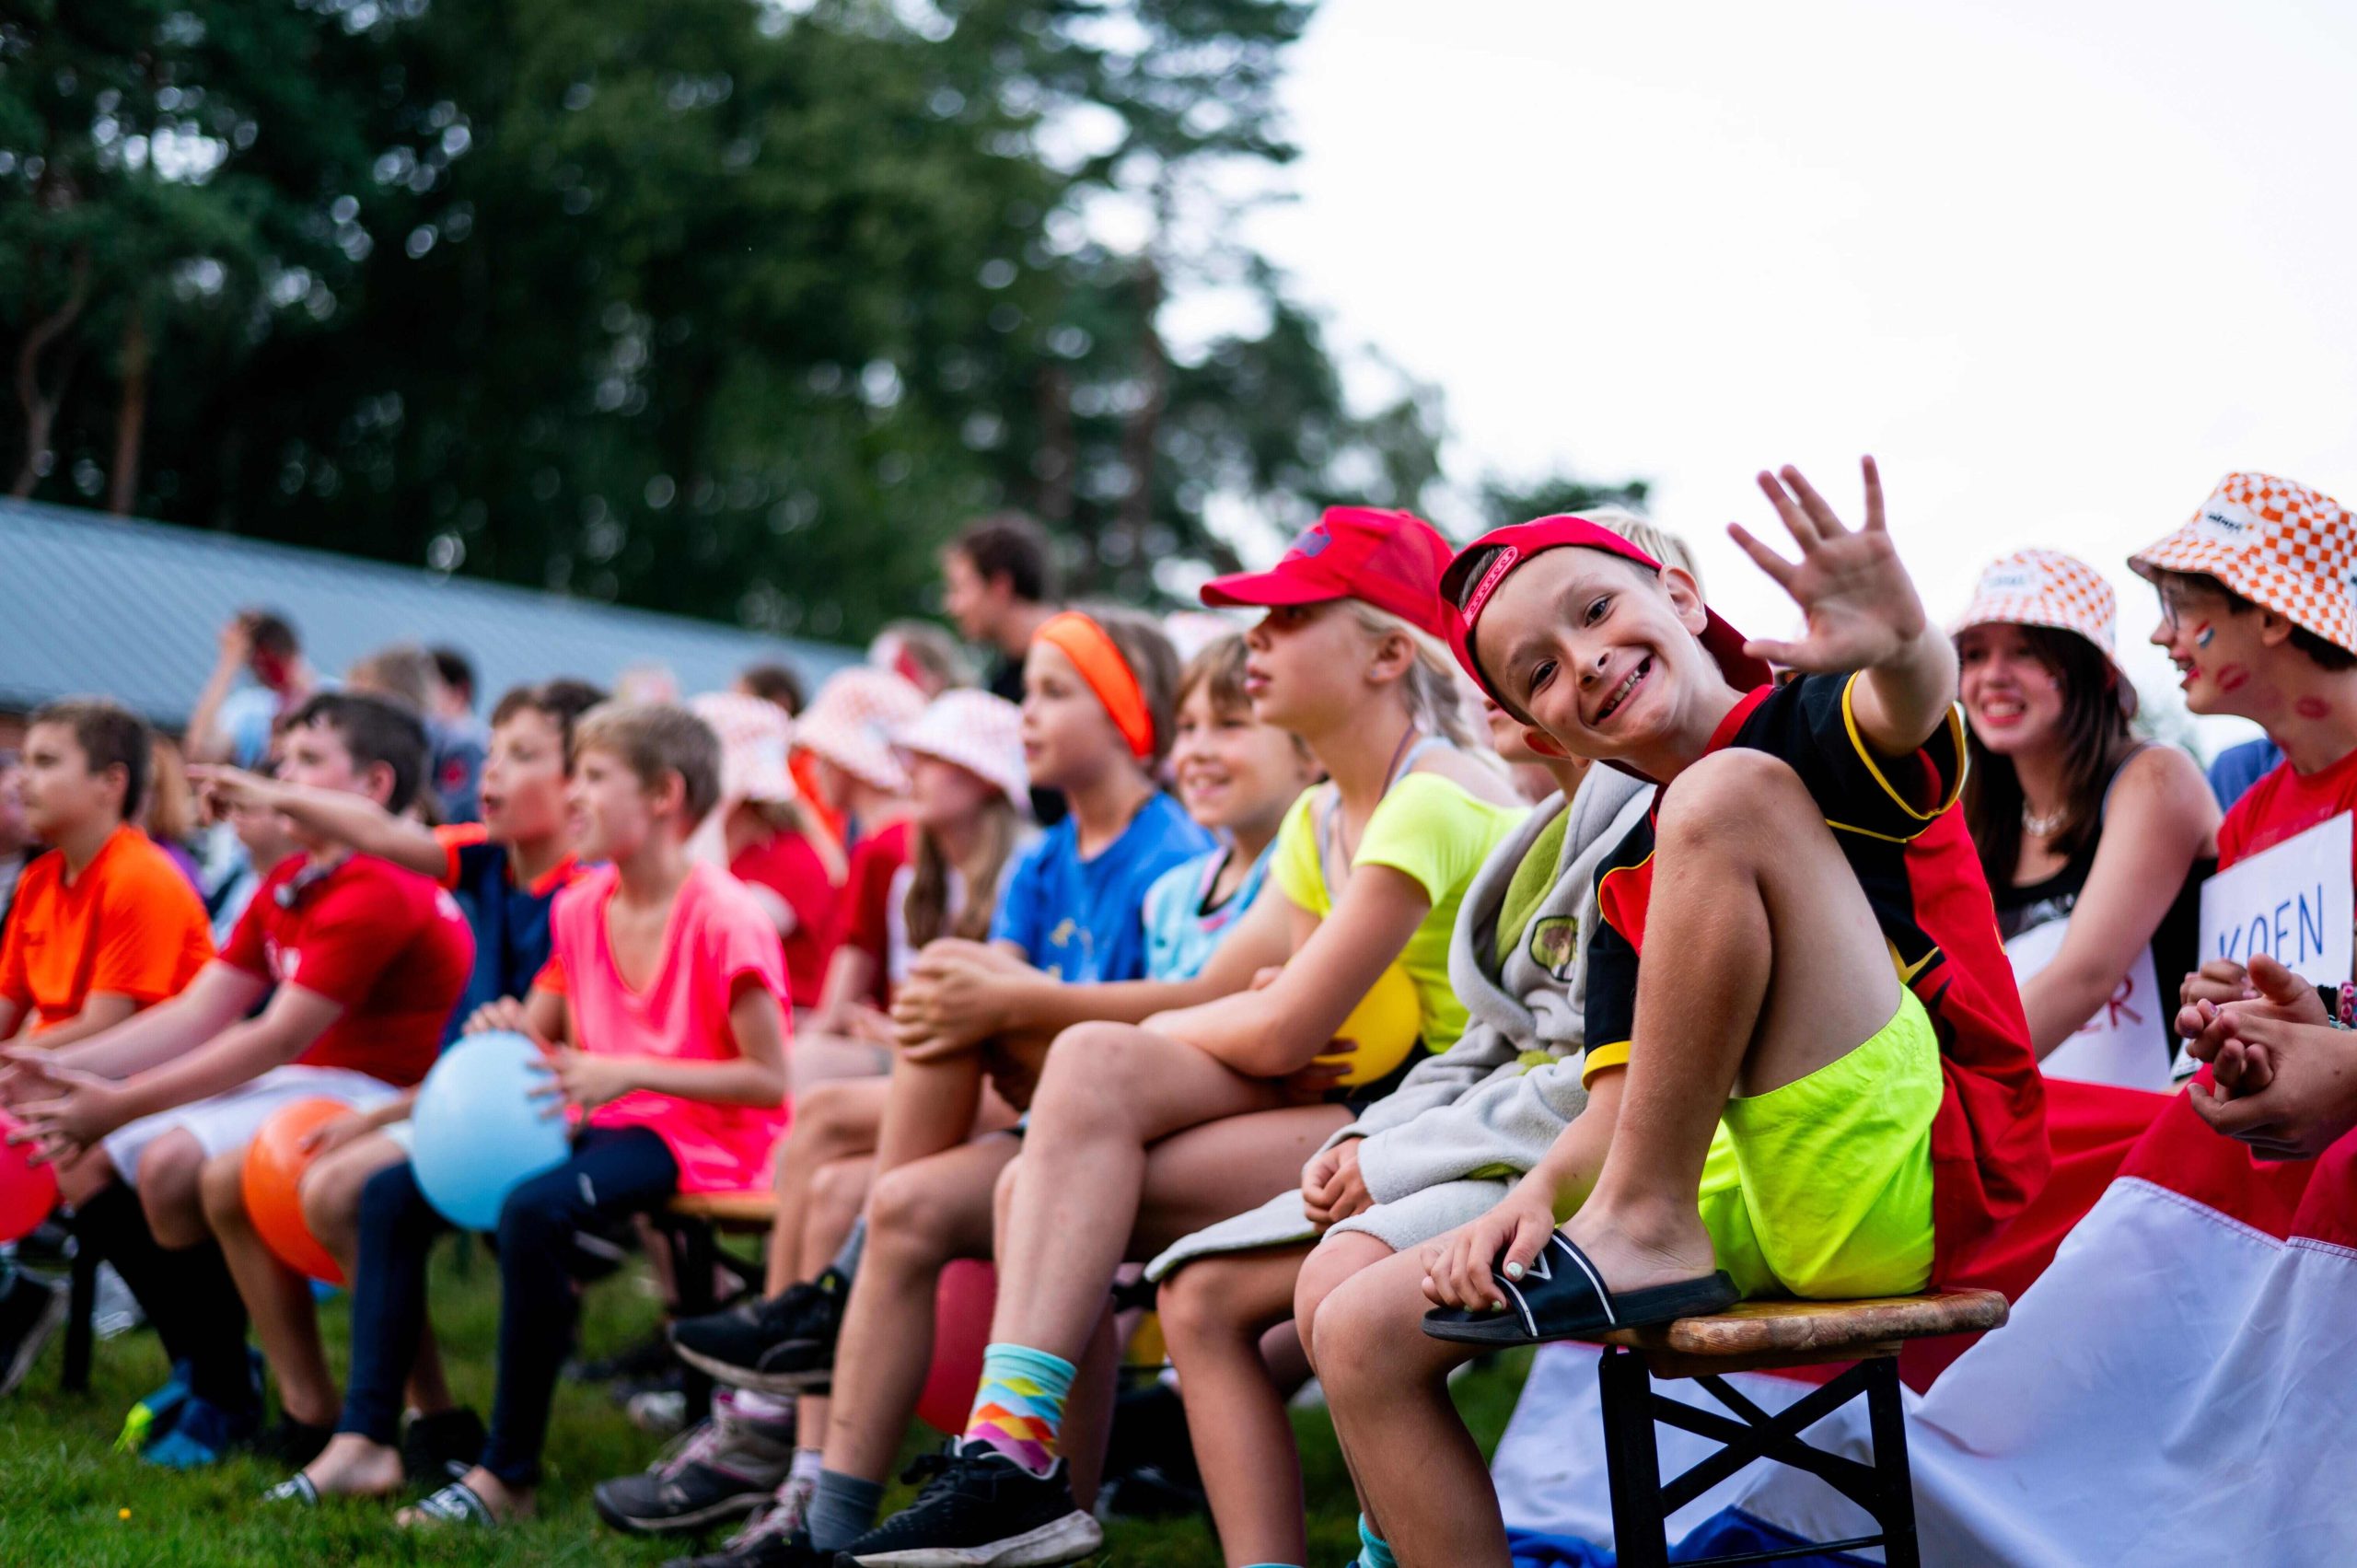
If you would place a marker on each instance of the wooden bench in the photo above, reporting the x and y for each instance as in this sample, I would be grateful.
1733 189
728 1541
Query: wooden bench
1755 1336
694 1223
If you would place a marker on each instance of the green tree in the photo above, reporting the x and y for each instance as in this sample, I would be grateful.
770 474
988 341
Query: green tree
731 307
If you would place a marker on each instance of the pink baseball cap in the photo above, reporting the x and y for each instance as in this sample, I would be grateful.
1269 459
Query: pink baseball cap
1390 560
1481 567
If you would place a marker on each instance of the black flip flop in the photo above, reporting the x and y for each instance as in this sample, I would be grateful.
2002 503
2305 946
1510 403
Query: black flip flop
1561 1296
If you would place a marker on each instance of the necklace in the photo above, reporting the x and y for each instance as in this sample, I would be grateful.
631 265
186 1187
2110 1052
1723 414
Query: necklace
2043 827
1343 849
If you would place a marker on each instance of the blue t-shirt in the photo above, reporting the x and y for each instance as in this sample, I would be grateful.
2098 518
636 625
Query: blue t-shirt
1084 921
510 920
2239 767
1180 931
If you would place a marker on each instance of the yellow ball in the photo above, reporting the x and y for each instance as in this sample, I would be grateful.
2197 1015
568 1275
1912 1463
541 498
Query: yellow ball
1384 1025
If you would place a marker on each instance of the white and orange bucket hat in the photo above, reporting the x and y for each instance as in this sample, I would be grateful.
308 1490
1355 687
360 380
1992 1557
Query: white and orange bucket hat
2045 587
2279 545
979 733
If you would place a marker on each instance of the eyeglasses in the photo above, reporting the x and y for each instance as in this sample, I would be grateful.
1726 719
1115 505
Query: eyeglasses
2178 602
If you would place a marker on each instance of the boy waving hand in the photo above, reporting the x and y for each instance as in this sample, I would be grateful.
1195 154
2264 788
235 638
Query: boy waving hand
1829 1090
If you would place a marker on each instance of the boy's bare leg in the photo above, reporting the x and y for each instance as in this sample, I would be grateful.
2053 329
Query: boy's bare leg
278 1299
330 1198
1387 1385
833 1121
920 1217
1334 1260
170 1171
1751 891
1214 1312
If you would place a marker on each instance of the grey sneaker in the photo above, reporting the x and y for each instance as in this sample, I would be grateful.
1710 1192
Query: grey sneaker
725 1468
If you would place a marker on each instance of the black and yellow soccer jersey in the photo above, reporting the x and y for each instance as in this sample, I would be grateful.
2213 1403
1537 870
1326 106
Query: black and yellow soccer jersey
1898 824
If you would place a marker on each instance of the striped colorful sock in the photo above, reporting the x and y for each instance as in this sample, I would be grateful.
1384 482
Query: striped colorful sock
1020 1408
1374 1550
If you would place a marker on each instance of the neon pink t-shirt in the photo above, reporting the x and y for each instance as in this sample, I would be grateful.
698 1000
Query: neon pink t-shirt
717 938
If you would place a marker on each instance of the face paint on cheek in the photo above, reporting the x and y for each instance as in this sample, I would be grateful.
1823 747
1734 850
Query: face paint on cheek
2313 708
2203 633
2233 678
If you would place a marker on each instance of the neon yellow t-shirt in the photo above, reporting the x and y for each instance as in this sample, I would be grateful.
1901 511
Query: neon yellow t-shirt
1429 827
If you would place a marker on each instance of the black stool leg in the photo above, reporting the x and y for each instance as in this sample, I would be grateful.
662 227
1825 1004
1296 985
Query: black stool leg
81 1308
1640 1536
1896 1508
691 1263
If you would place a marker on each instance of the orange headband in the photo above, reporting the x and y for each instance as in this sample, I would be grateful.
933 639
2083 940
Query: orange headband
1100 664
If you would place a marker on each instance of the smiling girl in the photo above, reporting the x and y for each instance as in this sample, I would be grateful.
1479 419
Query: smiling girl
2075 820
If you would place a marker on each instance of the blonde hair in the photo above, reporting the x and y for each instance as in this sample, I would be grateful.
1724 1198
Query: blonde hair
653 739
925 911
1664 546
1436 699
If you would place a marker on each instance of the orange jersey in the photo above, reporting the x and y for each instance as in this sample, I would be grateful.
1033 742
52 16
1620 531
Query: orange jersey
129 925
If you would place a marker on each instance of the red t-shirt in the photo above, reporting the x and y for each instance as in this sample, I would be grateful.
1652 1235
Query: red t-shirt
789 866
387 945
2285 803
866 907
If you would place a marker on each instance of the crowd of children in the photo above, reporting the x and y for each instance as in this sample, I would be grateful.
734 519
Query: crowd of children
1249 986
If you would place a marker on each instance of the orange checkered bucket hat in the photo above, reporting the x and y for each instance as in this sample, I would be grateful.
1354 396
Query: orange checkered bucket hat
2045 587
2279 545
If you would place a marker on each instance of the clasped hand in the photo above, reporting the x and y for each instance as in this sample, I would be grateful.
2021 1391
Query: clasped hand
2284 1079
76 1107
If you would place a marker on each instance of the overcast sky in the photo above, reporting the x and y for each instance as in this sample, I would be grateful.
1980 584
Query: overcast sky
2058 265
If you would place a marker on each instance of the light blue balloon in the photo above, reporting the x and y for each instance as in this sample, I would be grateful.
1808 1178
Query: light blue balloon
476 1132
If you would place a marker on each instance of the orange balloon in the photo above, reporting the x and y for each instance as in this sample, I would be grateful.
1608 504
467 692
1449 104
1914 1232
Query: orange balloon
275 1162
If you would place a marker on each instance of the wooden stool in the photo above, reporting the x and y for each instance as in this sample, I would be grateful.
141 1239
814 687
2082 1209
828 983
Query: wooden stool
1751 1337
693 1221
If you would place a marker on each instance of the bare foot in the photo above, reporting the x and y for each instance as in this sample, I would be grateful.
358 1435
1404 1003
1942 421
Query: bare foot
505 1504
352 1465
1632 1254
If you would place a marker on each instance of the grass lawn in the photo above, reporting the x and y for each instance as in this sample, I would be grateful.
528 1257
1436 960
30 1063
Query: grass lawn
63 1496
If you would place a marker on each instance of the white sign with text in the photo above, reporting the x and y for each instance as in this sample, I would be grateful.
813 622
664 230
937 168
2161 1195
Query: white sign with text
2291 902
2124 1044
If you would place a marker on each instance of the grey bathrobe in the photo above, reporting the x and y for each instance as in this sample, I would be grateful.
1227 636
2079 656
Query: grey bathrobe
1441 1150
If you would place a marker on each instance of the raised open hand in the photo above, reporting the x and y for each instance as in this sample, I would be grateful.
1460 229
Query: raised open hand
1859 606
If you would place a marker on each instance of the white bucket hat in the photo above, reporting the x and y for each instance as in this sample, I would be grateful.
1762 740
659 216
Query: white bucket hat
979 733
754 738
853 721
2045 587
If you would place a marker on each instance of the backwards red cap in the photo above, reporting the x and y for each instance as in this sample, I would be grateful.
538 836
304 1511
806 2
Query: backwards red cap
1481 567
1390 560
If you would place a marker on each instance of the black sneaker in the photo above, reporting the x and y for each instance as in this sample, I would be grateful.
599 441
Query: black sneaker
289 1445
783 1345
980 1509
725 1468
439 1448
30 1310
764 1544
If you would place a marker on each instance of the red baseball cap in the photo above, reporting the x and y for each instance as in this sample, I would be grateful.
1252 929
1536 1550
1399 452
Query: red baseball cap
1390 560
1474 577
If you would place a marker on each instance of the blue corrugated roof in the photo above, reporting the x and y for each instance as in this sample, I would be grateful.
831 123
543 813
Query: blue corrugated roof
91 603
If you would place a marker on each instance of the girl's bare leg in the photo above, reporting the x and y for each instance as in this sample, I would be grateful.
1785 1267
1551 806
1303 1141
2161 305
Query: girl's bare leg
920 1217
929 1109
837 1192
1214 1312
1110 1091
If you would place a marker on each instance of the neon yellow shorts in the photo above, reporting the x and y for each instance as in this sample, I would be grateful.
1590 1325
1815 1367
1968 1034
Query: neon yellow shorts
1823 1188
